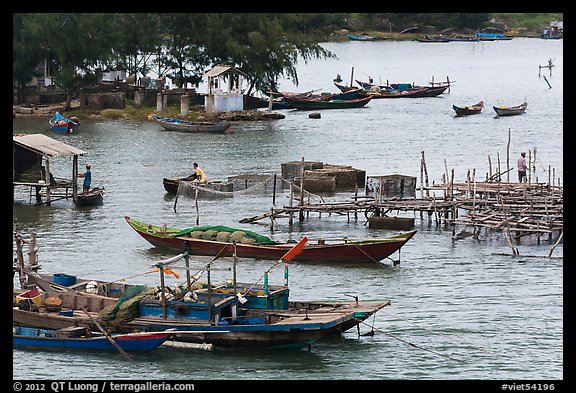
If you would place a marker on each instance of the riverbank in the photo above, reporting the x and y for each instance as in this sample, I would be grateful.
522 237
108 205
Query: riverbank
129 112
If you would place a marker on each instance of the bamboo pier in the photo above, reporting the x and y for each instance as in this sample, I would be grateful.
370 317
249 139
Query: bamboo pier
530 208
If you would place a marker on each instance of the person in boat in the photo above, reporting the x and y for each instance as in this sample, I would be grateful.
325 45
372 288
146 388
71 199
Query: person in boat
200 175
522 168
87 179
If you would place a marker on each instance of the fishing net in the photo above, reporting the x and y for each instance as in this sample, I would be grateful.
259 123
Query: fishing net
127 307
225 234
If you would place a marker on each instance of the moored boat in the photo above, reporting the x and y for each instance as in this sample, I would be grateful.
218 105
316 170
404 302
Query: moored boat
226 315
63 125
171 184
82 338
172 124
468 109
511 110
226 241
312 103
94 197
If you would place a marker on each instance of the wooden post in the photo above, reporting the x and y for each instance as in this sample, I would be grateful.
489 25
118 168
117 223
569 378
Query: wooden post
301 214
196 202
47 180
425 174
508 157
352 77
162 294
291 201
273 191
529 166
499 170
74 176
187 259
489 167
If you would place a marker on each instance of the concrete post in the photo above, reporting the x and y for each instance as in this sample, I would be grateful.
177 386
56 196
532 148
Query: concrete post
159 102
184 105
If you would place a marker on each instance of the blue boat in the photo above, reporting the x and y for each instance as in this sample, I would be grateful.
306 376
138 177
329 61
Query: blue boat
63 125
81 338
364 37
225 315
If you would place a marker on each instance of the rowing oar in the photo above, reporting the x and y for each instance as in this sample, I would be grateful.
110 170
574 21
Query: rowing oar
112 341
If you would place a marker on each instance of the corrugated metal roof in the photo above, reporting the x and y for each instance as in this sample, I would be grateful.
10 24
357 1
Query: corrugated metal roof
46 146
220 69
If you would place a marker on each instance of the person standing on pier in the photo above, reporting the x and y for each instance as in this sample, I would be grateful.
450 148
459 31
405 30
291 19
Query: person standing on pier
522 168
87 179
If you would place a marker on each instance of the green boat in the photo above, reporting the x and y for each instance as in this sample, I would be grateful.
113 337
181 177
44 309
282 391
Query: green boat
306 103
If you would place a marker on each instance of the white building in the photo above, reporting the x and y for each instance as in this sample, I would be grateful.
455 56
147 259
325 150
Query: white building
224 89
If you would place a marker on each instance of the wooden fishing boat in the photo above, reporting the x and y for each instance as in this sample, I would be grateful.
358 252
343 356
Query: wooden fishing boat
171 184
63 125
247 244
94 197
429 38
190 126
227 315
468 109
364 37
81 338
313 103
406 90
511 110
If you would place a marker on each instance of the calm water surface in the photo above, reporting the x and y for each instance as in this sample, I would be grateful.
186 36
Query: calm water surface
460 310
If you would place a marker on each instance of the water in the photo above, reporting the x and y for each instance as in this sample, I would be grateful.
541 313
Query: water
460 310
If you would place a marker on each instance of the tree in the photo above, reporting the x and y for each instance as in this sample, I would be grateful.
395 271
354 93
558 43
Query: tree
184 52
26 55
264 46
73 44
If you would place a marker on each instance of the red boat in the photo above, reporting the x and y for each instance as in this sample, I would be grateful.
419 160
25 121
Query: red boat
220 240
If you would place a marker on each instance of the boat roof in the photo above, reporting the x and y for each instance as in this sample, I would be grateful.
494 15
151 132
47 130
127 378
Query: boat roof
45 145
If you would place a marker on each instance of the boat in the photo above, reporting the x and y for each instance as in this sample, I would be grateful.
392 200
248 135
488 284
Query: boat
429 38
493 36
171 184
93 197
550 37
511 110
468 109
225 315
406 90
190 126
364 37
64 125
225 241
257 299
315 103
82 338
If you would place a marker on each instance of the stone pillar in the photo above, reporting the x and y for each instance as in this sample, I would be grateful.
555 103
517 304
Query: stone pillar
159 102
184 105
138 99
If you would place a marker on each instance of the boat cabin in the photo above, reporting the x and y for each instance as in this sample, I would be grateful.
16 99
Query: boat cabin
31 159
224 89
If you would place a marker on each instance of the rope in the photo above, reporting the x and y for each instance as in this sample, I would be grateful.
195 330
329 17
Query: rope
449 338
413 345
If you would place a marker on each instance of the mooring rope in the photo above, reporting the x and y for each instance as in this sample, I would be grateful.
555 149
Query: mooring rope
412 344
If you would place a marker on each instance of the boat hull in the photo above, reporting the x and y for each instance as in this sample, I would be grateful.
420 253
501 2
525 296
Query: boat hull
511 110
191 126
344 252
94 197
36 338
312 104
